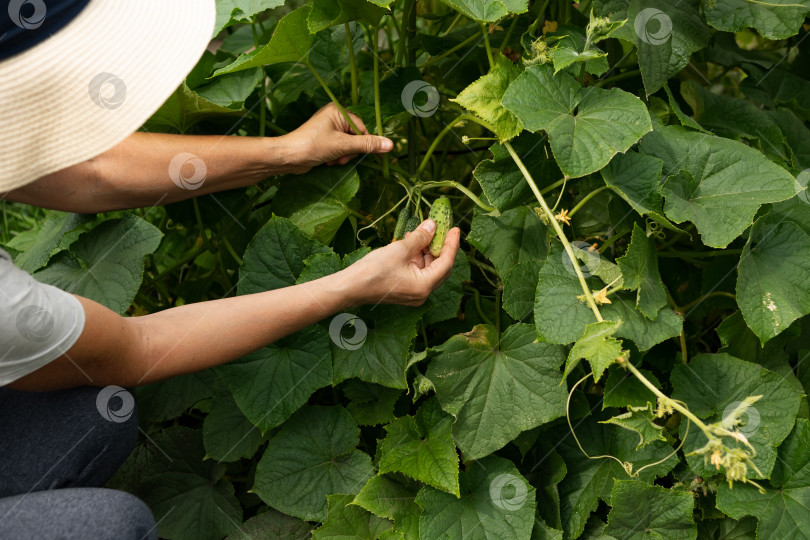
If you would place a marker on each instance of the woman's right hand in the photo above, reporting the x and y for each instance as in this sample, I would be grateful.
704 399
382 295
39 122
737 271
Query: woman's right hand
404 272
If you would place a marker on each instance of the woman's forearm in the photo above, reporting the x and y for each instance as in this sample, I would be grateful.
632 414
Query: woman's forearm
139 350
149 169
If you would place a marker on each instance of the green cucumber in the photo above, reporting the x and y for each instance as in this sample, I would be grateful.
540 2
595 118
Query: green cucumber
442 213
412 224
402 222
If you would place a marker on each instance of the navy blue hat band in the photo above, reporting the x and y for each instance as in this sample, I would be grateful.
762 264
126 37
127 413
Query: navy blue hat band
27 23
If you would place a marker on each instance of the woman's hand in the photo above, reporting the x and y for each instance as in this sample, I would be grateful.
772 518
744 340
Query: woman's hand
404 272
328 138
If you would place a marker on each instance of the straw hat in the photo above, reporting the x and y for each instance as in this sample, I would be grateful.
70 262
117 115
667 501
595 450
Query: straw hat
72 96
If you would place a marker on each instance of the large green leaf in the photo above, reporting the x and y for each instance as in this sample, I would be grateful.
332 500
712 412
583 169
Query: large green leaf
275 257
797 136
666 33
483 97
422 448
773 273
290 42
227 434
713 384
312 456
317 202
326 13
187 495
487 10
598 346
516 243
640 511
586 127
496 502
105 264
775 19
560 315
185 107
230 12
37 246
383 354
783 511
345 520
272 524
751 123
393 497
271 383
497 386
639 267
589 480
709 181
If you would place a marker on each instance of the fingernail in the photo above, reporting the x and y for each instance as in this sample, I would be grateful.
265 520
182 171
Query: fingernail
386 144
429 225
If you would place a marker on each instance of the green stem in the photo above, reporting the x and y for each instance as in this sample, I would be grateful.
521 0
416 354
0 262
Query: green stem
482 265
232 251
554 186
201 227
332 97
509 32
683 346
461 188
498 312
439 137
352 63
672 403
477 297
489 48
377 111
445 54
557 229
452 24
587 198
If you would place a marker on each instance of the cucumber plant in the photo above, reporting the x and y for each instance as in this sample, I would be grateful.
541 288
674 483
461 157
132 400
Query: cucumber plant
630 180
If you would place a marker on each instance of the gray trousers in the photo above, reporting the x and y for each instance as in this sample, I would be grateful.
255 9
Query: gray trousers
56 451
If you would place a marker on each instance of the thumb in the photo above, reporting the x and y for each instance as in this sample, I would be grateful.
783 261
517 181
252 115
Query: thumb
367 144
420 238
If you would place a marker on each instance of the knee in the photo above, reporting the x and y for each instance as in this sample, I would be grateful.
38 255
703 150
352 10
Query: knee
77 513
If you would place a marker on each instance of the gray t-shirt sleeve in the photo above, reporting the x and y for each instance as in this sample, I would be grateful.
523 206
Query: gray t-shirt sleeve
38 322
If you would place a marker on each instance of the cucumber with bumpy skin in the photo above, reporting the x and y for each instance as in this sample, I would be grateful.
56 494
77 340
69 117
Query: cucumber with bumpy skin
412 224
442 213
402 222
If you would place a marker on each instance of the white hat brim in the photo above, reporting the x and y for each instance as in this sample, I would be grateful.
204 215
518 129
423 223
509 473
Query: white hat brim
96 81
